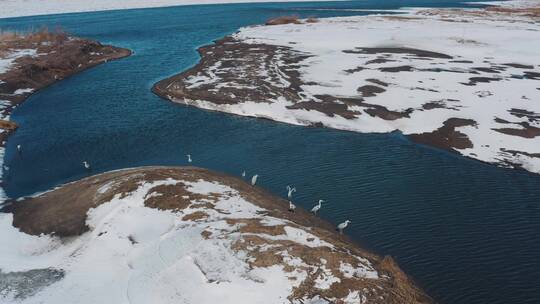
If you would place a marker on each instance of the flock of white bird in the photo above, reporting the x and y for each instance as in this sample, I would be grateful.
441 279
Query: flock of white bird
292 207
19 150
290 191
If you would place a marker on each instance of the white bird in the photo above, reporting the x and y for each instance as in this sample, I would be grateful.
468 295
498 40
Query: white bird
292 206
317 207
342 226
86 165
19 148
244 173
6 168
290 191
254 179
189 158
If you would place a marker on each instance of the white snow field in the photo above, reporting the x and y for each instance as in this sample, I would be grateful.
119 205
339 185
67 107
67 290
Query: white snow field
486 71
20 8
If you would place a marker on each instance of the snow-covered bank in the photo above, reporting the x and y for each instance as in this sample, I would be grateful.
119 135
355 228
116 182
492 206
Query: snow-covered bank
464 80
182 235
18 8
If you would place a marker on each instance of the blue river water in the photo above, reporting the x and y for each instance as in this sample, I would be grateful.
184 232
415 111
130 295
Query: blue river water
467 232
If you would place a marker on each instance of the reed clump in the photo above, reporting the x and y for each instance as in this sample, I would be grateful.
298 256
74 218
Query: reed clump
284 20
41 35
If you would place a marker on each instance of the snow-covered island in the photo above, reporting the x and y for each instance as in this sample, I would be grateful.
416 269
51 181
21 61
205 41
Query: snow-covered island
183 235
464 80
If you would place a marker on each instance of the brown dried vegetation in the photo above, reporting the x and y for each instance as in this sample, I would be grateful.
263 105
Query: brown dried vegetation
284 20
195 216
447 137
43 35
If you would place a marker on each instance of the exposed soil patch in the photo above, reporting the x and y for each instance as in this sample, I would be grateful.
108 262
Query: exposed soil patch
461 61
520 113
527 131
434 105
486 70
376 81
379 60
352 71
475 80
442 104
327 106
446 137
370 90
514 152
402 68
520 66
195 216
501 121
384 113
425 89
170 197
399 50
531 75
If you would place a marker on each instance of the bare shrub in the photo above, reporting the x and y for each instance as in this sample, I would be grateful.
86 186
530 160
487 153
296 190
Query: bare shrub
284 20
42 35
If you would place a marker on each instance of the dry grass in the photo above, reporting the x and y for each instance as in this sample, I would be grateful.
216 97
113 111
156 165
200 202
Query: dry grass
403 289
35 36
284 20
254 226
7 125
529 11
195 216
